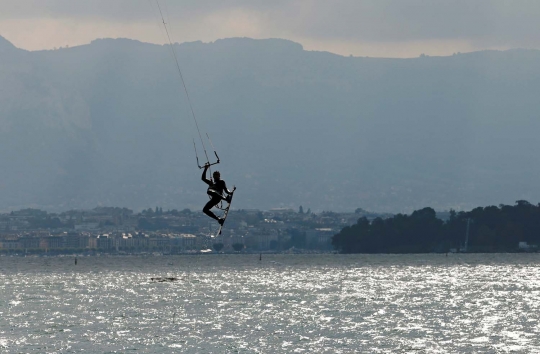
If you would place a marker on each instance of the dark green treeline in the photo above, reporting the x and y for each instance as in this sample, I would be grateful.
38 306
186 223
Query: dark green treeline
491 229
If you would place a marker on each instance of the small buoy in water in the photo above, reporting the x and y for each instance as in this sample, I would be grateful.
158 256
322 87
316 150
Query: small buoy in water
75 260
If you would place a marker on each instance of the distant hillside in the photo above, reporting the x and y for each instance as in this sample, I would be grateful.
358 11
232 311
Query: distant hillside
108 124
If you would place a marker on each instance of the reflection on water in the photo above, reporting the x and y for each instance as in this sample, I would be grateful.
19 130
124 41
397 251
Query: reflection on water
282 304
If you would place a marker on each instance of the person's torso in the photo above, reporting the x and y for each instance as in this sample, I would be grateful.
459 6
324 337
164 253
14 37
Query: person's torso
218 187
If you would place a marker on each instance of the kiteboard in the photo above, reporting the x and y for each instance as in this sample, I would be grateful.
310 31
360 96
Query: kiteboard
225 213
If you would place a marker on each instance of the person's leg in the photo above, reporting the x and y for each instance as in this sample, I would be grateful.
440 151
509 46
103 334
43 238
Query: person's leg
212 203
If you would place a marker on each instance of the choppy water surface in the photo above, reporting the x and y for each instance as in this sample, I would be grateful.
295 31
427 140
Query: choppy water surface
282 304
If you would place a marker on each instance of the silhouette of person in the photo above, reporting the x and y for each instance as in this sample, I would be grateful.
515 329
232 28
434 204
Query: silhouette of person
215 191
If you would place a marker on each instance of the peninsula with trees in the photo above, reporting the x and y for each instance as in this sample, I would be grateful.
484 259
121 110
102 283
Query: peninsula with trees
502 228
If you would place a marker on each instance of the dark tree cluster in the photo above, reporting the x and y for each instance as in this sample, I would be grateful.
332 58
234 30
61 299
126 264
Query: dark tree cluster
153 224
46 222
491 229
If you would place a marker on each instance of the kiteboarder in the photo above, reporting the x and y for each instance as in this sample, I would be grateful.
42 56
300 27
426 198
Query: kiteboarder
216 188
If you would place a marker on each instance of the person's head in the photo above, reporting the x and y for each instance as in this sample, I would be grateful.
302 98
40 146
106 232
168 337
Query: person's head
216 175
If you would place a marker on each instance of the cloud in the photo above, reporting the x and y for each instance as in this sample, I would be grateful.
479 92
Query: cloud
343 26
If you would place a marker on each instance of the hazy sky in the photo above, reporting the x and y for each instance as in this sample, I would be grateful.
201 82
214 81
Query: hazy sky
387 28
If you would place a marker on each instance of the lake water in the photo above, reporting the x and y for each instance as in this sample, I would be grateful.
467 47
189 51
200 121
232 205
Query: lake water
466 303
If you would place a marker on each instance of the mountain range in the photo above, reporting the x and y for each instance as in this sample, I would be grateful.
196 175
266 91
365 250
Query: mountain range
108 124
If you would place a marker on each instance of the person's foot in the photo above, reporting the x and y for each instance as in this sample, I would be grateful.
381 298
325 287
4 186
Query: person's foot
228 199
221 221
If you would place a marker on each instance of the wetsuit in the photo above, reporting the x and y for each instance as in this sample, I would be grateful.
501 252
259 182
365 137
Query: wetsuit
215 191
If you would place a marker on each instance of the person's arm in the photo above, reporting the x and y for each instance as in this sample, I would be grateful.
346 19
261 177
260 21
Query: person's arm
226 190
203 177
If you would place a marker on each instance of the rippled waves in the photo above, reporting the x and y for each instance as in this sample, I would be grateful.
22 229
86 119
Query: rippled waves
282 304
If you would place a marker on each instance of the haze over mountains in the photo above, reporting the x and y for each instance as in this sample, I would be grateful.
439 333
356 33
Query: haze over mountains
108 124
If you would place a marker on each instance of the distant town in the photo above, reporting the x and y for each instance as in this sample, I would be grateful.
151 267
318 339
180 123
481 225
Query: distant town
154 230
